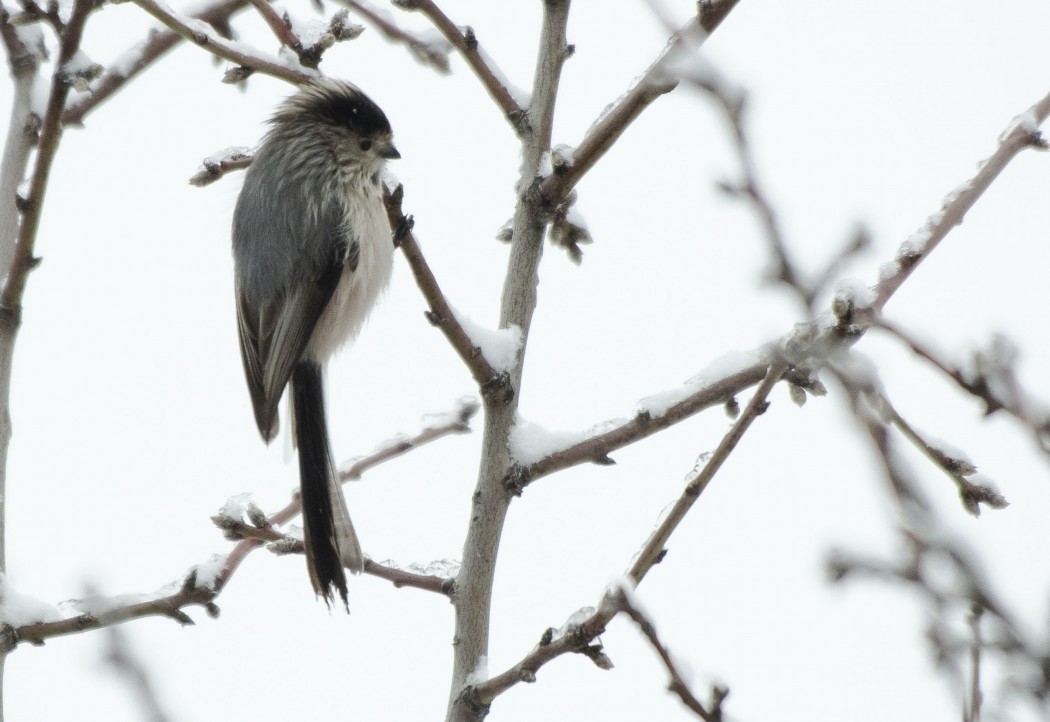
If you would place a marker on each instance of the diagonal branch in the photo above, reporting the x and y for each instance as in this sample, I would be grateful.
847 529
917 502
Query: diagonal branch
466 43
201 587
433 54
993 383
971 494
677 684
1021 133
201 34
441 315
23 260
596 449
138 58
657 80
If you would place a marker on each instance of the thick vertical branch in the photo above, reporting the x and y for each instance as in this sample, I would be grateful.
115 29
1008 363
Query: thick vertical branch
21 138
491 497
18 236
50 135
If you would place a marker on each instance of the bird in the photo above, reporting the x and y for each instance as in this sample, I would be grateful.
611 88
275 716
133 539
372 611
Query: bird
313 252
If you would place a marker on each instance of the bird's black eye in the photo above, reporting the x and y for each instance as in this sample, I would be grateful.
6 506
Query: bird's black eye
364 144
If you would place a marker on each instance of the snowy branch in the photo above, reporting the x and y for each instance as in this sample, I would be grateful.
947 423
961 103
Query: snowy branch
112 611
657 80
596 449
491 382
200 589
491 499
941 568
203 35
954 464
142 56
466 43
216 166
281 29
50 133
434 54
262 528
1021 133
990 378
750 189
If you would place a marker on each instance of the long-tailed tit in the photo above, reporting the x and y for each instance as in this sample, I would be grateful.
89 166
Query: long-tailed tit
312 252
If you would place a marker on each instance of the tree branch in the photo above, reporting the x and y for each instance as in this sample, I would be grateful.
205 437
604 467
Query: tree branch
111 611
138 58
216 166
467 44
1021 133
491 499
429 53
970 494
200 34
677 684
657 80
441 315
280 29
596 449
104 612
23 260
991 380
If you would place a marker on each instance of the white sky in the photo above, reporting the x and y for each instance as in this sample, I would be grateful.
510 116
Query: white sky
133 425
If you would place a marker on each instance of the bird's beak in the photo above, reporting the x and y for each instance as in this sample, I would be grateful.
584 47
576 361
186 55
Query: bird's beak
386 149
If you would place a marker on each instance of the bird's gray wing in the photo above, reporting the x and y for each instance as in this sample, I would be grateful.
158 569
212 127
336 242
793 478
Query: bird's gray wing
289 250
272 341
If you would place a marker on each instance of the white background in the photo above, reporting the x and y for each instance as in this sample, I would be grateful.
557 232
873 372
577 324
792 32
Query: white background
133 425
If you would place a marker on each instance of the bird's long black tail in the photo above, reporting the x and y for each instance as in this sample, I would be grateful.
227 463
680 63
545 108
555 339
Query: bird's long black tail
331 543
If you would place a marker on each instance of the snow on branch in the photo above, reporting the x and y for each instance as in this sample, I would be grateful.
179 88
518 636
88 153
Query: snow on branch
246 59
25 619
511 101
142 55
1021 133
432 52
659 79
491 380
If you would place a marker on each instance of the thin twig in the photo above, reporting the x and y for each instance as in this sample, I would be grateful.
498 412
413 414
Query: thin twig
935 563
23 260
201 34
467 44
677 684
215 167
1022 133
157 43
132 671
171 605
280 29
654 548
194 592
429 53
596 449
655 82
972 707
980 385
488 379
749 188
970 494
